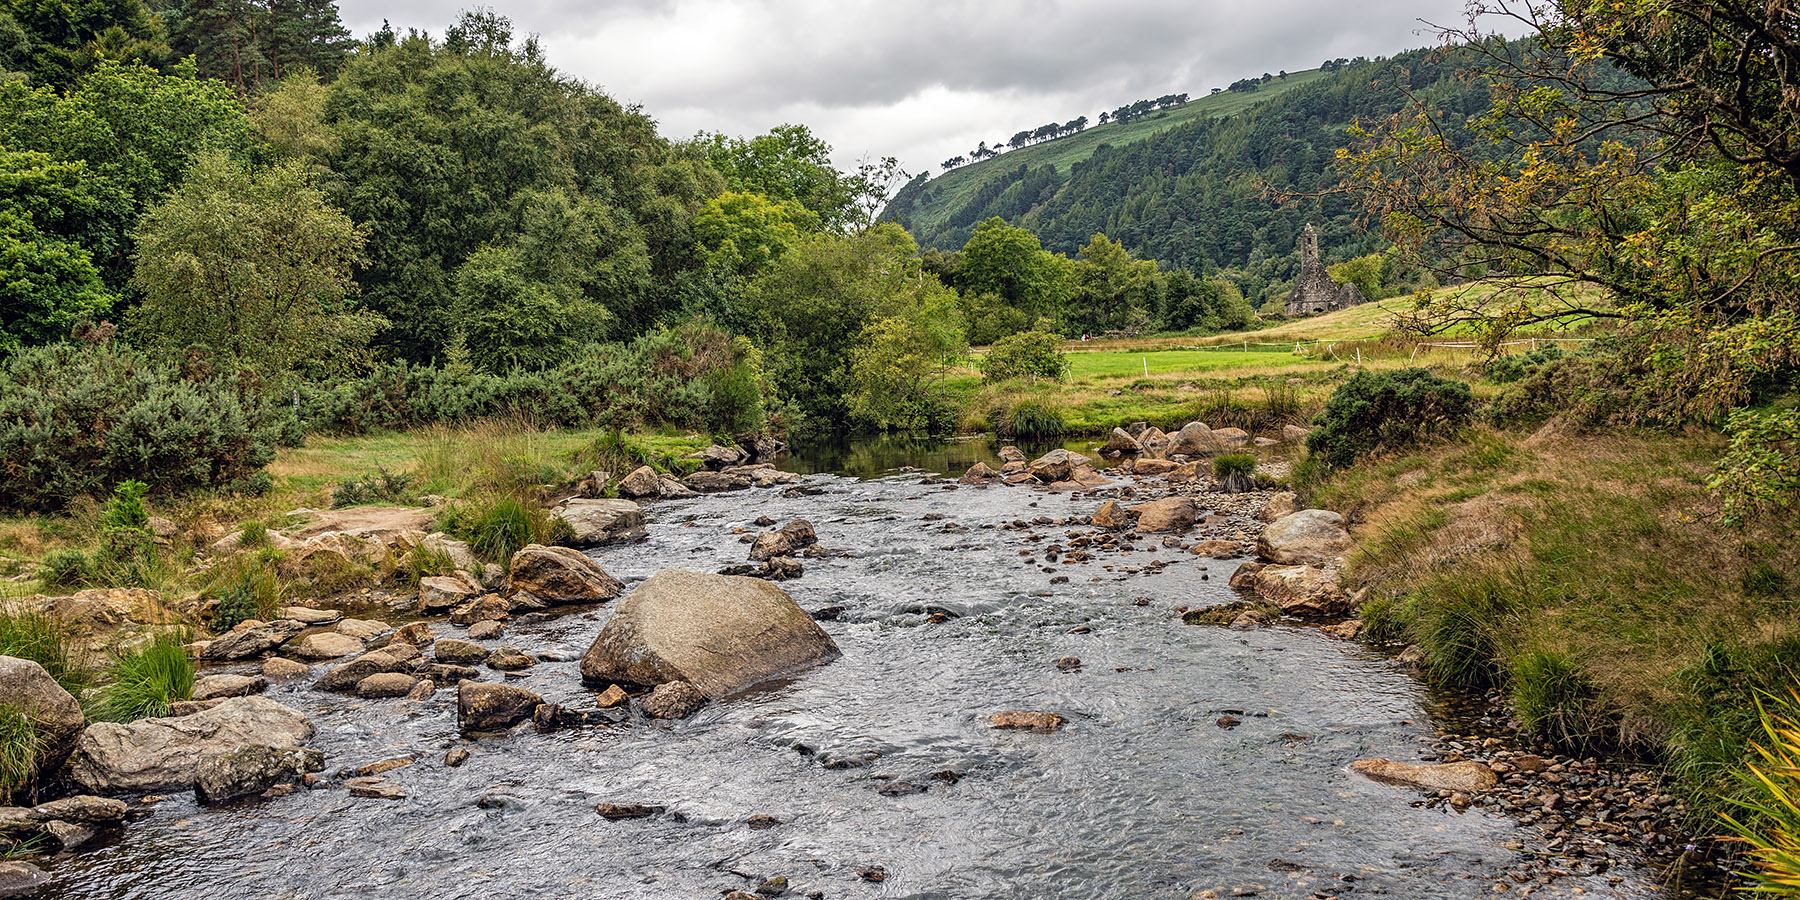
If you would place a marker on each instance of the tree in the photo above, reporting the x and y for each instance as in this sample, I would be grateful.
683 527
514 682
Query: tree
1009 262
1111 289
254 267
48 279
746 233
788 163
898 369
68 40
1028 354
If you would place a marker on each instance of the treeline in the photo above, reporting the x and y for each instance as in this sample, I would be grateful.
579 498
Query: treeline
1051 131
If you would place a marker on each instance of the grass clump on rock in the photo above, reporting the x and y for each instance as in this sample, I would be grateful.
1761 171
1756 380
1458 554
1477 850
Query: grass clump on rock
145 680
1236 472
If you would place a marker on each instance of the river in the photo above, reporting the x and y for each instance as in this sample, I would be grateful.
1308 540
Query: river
1142 795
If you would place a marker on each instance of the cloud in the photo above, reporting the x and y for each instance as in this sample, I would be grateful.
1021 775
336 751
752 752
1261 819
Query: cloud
925 81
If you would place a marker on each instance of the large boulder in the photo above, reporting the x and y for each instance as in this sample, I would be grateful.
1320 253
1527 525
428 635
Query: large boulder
1057 465
1466 777
254 640
1310 537
557 576
642 482
709 482
721 633
441 592
1194 439
344 678
1306 591
327 645
717 457
252 770
1280 505
481 706
1171 515
163 754
57 716
1121 443
1231 437
601 521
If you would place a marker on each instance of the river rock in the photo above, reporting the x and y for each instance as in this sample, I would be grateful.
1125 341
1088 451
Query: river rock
601 521
1121 443
18 878
1011 454
344 678
1306 591
789 539
308 616
642 482
1112 516
1171 515
251 770
1057 465
1280 505
1154 440
460 554
1149 466
386 684
455 652
362 629
160 754
717 457
486 631
56 715
508 659
440 592
279 670
1231 437
721 633
557 576
1041 722
1308 537
613 696
1294 434
670 488
243 643
482 609
327 645
979 473
219 687
1216 549
492 707
84 809
673 700
708 482
1468 776
1194 439
417 634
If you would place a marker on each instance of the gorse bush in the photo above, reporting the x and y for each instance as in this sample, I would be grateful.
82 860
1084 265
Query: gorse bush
1512 367
1028 354
76 419
65 569
379 486
144 681
1387 410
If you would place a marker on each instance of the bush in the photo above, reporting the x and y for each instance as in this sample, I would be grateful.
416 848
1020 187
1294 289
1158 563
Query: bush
1511 368
1028 354
144 681
246 587
75 419
379 486
1761 470
26 634
127 555
1387 410
66 570
1236 472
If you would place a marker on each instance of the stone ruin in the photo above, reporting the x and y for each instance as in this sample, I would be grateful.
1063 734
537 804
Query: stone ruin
1315 292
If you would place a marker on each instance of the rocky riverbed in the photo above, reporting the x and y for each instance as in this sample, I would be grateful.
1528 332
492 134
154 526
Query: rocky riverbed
1142 757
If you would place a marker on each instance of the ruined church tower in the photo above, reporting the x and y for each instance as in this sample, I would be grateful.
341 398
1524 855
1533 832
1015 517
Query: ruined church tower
1314 291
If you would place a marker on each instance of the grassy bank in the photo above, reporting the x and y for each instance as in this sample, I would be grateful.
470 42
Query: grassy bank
1589 576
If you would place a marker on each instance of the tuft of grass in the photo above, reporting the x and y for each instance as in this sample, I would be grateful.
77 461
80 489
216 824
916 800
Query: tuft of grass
144 681
247 587
20 748
1768 818
28 634
1027 420
1554 698
66 569
497 526
1236 472
1461 628
424 562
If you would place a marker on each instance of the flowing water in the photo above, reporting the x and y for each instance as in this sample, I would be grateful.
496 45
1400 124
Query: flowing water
1141 795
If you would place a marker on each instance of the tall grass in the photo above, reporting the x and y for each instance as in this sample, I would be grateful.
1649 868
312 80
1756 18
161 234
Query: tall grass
28 634
1769 818
20 748
144 681
1027 419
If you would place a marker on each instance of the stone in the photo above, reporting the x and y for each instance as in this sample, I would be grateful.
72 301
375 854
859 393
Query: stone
1343 631
618 811
800 533
1306 591
601 521
461 555
613 697
386 684
714 482
770 544
718 457
559 576
53 711
1111 516
346 677
1294 434
218 687
672 489
455 652
456 756
1154 440
1309 537
19 878
508 659
492 707
642 482
765 478
306 615
243 643
482 609
1216 549
1194 439
161 754
83 809
445 673
418 634
486 631
1153 467
1011 454
1231 437
1069 664
1314 291
441 592
189 707
1281 504
1057 465
1171 515
1121 443
328 645
979 473
1468 776
721 633
375 789
1041 722
361 629
673 700
251 770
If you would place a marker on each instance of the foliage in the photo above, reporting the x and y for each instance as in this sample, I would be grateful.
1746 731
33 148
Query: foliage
744 233
1511 367
48 277
1761 470
145 680
379 486
1029 355
1028 419
1553 698
246 587
66 568
1236 472
897 371
63 41
1111 290
1387 410
74 420
788 165
497 525
127 553
252 42
32 635
1769 822
20 747
1009 263
1366 272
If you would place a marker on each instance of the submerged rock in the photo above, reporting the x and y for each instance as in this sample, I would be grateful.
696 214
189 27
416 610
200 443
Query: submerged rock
159 754
249 771
722 634
493 707
673 700
1041 722
1468 776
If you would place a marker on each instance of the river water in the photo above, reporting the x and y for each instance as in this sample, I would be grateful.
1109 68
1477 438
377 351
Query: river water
1141 795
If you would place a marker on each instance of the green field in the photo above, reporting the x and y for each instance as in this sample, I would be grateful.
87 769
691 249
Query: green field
1146 363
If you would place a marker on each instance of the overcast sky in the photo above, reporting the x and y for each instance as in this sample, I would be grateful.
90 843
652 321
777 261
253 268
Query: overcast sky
923 81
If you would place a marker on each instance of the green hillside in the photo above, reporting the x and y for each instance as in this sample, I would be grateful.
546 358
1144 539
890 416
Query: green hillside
954 189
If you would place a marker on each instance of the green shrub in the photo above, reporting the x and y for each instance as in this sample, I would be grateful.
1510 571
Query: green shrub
127 554
144 681
20 747
75 419
424 562
27 634
1028 354
246 587
1761 470
1028 419
126 507
1554 699
379 486
1236 472
253 534
1376 411
1715 728
1384 620
66 570
1511 368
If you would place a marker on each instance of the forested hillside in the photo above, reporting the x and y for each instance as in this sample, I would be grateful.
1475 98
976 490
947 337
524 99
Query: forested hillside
1202 194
